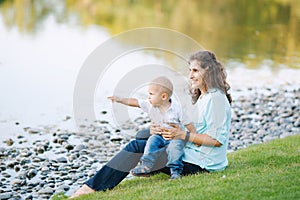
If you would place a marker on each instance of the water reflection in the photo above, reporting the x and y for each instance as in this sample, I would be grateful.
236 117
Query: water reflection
249 32
43 45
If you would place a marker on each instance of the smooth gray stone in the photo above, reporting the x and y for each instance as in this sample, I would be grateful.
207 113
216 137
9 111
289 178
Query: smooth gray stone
5 195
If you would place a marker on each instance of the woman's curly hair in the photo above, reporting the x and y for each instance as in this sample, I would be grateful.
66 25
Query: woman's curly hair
214 77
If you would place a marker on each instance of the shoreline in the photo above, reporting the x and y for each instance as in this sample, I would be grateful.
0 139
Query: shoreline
49 160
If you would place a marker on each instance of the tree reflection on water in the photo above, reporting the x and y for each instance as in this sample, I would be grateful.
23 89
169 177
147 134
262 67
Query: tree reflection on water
247 31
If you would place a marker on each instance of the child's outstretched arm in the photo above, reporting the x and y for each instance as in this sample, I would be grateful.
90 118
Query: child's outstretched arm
126 101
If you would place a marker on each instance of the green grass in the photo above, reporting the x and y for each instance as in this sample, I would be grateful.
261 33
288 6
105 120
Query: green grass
266 171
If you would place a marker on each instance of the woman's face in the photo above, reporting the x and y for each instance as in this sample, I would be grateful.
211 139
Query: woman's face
196 75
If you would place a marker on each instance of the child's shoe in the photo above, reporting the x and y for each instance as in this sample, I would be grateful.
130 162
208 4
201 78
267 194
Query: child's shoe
142 170
175 176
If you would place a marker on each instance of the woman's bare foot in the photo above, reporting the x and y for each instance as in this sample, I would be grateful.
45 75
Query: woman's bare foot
82 190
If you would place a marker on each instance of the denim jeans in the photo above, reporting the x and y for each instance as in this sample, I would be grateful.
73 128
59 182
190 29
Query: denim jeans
119 166
156 144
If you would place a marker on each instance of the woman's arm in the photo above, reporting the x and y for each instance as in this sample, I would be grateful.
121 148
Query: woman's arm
200 139
191 128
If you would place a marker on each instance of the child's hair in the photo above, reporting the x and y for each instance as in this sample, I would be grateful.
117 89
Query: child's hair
164 83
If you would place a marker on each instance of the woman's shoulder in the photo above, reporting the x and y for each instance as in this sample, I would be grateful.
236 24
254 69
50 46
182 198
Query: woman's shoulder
215 95
211 97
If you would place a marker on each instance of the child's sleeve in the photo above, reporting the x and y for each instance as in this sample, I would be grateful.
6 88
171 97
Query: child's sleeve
145 105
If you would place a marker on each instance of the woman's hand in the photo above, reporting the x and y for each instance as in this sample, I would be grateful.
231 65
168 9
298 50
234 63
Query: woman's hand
175 132
155 129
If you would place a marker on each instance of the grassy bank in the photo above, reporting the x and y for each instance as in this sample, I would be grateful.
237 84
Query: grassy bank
266 171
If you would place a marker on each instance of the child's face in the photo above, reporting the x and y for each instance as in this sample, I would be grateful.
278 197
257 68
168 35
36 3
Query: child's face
156 96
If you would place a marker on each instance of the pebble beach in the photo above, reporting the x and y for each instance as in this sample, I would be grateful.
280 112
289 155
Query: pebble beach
45 161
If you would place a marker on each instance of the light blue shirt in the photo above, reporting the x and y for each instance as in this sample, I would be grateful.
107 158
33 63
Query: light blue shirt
214 120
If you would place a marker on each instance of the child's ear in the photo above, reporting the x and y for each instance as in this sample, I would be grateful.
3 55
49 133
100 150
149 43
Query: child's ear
164 96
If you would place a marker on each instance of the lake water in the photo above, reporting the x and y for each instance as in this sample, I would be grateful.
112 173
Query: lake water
41 53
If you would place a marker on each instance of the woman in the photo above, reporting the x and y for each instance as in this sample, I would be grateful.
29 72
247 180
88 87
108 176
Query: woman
205 149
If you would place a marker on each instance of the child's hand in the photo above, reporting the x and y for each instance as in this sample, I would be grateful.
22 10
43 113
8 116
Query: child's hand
114 99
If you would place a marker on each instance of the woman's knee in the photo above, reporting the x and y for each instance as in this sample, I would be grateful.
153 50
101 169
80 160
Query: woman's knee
143 134
136 146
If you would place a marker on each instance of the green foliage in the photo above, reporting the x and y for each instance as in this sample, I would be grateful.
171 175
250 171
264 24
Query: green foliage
266 171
